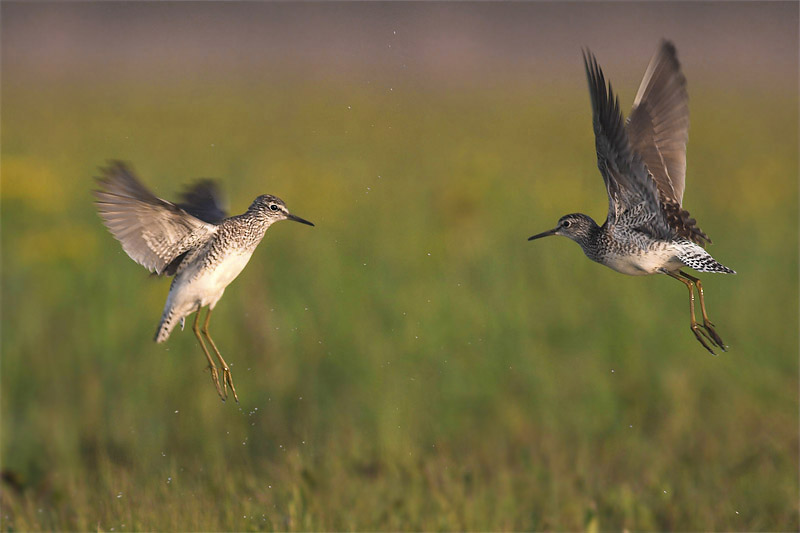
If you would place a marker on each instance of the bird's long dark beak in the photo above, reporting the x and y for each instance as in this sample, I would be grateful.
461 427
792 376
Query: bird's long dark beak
543 234
298 219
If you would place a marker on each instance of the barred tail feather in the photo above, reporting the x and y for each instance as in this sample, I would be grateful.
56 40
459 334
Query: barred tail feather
165 327
702 261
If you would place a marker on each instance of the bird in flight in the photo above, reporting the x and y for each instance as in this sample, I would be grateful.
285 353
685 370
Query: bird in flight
193 240
643 164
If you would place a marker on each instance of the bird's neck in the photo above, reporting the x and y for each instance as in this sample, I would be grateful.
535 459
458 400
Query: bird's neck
592 242
251 226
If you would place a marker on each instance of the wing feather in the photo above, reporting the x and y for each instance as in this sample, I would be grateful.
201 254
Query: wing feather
152 231
658 130
202 199
658 126
627 180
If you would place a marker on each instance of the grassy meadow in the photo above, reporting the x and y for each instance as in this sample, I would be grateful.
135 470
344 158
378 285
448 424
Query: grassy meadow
410 363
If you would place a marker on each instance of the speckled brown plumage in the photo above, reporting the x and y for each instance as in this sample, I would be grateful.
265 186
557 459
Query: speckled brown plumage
643 164
193 240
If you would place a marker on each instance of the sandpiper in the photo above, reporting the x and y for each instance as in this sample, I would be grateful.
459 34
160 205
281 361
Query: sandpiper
643 163
193 240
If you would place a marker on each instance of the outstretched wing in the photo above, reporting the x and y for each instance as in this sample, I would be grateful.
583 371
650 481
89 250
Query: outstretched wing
627 180
203 200
152 231
658 129
658 126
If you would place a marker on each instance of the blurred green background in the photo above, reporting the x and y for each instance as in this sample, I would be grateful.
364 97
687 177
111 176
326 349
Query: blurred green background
411 363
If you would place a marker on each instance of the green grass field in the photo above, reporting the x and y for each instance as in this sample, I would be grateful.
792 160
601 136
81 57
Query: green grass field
411 363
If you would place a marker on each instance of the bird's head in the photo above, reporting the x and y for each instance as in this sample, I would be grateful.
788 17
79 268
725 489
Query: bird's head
576 226
273 209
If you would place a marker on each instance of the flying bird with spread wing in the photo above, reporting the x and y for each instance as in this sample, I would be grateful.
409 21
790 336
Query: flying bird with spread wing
643 164
193 240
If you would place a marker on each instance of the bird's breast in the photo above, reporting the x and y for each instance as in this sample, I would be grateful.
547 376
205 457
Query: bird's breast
202 283
226 269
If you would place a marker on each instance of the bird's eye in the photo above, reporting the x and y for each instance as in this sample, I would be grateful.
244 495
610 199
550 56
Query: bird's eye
566 223
273 207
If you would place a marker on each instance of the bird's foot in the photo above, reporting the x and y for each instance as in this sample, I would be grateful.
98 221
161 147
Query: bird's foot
699 334
215 379
709 330
227 379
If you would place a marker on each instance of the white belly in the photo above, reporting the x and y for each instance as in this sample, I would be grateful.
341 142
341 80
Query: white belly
646 263
224 273
195 287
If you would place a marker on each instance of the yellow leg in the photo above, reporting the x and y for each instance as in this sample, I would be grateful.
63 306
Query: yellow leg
227 379
707 325
698 333
211 366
